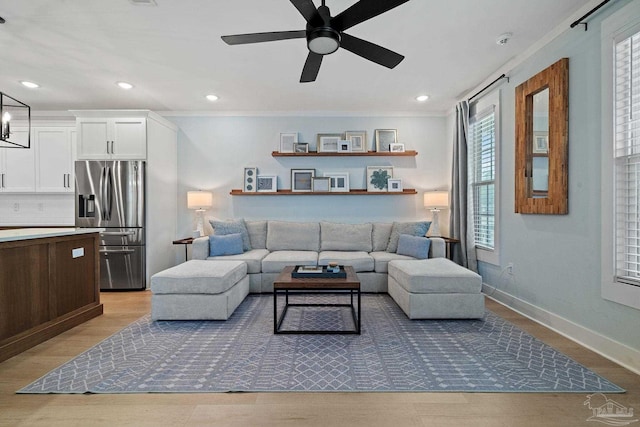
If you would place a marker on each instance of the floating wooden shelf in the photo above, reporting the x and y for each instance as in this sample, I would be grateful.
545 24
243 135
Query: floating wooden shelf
408 153
405 192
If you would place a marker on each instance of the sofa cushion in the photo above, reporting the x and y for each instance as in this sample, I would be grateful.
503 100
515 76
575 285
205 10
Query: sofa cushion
380 235
257 233
199 277
418 228
435 275
276 261
382 258
253 258
229 244
359 260
293 236
230 227
415 246
345 237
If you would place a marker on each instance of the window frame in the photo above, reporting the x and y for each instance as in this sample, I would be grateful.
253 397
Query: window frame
620 25
478 108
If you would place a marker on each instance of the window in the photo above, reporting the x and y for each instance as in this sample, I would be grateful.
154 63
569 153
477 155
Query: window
627 159
620 164
482 176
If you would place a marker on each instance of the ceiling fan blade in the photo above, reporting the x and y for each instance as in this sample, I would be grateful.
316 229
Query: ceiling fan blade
361 11
370 51
263 37
308 10
311 68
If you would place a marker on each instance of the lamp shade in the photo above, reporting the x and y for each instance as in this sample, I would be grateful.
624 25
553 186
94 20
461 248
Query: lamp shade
436 199
199 199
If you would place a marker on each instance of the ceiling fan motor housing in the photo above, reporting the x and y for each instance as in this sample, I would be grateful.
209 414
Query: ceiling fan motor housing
323 40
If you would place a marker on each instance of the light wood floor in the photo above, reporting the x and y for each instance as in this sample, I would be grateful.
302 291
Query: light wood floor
286 409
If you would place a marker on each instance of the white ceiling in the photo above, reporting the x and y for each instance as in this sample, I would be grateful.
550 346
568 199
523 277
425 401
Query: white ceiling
77 49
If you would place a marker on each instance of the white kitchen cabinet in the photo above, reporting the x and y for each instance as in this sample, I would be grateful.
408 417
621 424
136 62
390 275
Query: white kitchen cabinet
17 165
54 159
112 138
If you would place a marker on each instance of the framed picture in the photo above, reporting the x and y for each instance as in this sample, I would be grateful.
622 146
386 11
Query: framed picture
540 142
320 184
287 141
358 140
328 142
300 147
302 180
384 138
267 183
339 181
377 177
249 183
395 185
396 148
344 146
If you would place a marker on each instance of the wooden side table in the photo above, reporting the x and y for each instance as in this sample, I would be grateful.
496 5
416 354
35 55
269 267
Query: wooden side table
449 244
186 241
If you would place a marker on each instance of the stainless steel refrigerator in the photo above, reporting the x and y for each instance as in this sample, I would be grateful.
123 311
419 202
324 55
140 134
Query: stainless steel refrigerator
110 194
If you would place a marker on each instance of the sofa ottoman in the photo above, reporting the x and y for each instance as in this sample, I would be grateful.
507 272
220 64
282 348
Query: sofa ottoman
435 289
199 290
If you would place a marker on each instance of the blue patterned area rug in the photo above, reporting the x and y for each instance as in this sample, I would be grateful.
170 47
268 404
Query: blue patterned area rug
392 354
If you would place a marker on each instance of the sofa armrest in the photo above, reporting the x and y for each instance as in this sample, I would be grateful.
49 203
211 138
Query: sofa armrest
437 248
200 249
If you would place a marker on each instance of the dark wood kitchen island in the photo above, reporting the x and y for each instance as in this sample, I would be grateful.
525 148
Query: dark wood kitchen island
49 283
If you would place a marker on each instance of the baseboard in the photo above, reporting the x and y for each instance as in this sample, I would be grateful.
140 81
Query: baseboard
619 353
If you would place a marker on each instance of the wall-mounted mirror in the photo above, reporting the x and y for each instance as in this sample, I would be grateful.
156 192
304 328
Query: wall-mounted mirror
542 114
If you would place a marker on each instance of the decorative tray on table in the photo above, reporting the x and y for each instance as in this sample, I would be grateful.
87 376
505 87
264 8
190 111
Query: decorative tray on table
313 271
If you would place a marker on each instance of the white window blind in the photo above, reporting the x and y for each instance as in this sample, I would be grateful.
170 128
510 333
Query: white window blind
482 155
627 160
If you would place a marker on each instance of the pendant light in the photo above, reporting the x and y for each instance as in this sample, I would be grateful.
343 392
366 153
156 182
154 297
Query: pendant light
10 110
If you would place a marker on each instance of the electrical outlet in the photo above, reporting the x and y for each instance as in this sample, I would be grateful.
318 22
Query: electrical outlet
16 207
509 269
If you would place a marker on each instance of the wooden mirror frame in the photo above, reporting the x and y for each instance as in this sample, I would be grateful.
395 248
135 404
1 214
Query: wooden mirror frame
556 78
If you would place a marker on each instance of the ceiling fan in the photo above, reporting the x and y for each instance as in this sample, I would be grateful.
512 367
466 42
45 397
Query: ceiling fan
325 34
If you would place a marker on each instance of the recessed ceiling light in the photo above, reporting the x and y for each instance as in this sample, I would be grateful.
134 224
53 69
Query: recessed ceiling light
125 85
30 85
422 98
212 97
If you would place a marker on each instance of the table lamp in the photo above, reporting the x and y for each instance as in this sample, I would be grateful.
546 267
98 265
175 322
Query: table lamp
435 201
200 201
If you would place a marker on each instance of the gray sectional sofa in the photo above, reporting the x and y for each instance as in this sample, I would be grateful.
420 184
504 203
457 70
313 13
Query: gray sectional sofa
271 245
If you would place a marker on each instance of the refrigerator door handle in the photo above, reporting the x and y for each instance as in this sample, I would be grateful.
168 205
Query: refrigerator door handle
118 233
116 251
107 193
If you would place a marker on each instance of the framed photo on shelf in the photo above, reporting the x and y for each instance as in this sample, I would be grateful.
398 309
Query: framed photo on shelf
249 183
300 147
287 141
328 142
540 142
358 140
266 183
395 185
396 148
339 181
320 185
344 146
384 139
378 177
302 180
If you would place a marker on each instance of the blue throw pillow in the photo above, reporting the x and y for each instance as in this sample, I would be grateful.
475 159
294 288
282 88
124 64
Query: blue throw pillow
417 247
418 228
222 228
228 244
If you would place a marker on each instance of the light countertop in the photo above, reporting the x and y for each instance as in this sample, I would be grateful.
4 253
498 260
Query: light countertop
38 233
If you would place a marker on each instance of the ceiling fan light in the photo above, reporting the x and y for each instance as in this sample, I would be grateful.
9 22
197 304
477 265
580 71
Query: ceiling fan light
323 41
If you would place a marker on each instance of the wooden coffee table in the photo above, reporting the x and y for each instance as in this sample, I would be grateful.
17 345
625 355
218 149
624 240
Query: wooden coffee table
284 283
